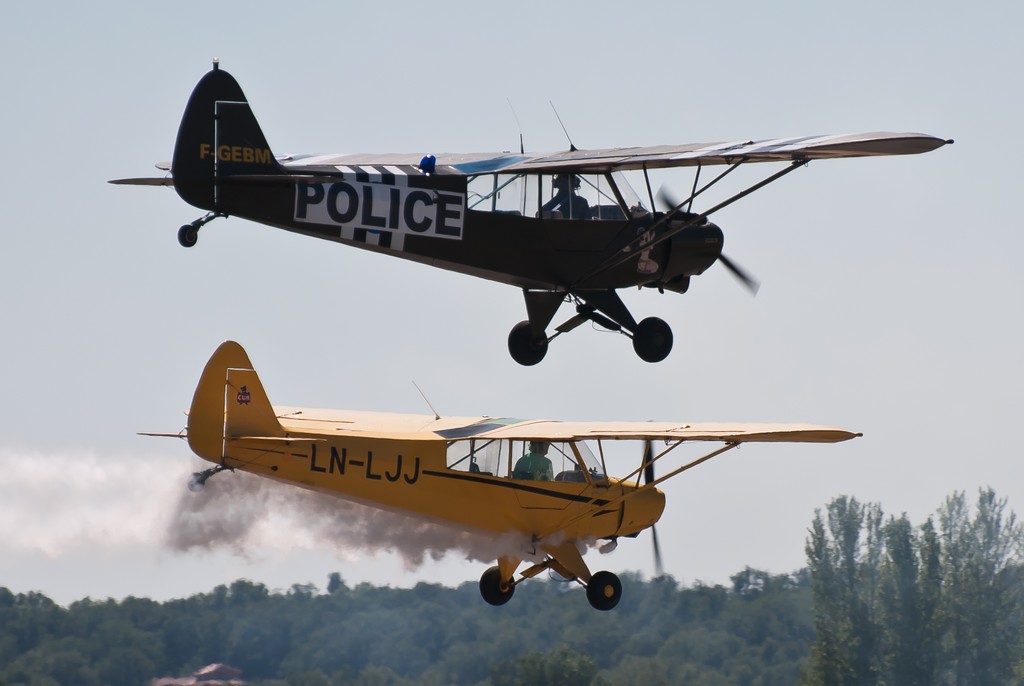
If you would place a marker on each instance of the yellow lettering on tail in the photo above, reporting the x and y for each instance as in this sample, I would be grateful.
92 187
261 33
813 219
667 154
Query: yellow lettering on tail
237 153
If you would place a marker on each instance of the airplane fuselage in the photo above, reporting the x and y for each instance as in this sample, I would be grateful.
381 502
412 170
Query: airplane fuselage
410 475
426 219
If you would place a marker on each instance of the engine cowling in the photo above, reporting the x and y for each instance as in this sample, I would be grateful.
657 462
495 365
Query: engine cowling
640 511
691 252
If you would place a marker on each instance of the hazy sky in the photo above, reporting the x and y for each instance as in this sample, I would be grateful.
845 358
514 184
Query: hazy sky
890 301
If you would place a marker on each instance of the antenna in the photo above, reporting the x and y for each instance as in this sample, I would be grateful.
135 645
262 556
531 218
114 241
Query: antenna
572 146
522 148
427 401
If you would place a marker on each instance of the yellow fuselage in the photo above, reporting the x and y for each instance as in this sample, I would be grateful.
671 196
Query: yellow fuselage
410 475
398 462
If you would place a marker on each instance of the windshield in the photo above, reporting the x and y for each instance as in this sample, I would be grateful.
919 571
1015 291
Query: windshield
630 199
588 458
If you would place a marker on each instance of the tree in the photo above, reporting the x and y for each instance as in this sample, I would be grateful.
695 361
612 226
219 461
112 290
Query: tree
895 605
981 609
561 667
844 580
335 583
907 638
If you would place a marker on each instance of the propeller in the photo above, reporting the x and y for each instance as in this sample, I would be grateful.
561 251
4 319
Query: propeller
752 284
671 204
648 462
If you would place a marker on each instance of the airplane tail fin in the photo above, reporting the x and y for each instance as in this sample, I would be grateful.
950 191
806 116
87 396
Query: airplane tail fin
229 403
218 137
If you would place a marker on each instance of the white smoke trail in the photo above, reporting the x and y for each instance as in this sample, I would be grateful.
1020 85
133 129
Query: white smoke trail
61 503
242 512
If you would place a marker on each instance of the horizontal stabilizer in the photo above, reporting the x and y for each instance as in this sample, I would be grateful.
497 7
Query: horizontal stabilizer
151 181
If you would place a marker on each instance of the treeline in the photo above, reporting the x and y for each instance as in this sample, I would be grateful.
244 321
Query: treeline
940 603
758 630
882 602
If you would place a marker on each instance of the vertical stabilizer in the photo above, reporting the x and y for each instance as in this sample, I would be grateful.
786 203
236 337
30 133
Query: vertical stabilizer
218 137
229 402
247 410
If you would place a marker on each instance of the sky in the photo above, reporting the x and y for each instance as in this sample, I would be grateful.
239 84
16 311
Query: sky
890 299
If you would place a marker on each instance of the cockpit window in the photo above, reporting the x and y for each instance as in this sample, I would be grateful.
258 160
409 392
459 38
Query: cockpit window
605 197
502 193
479 456
525 460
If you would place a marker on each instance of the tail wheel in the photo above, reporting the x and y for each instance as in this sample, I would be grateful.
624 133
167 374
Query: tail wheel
188 235
523 347
652 340
604 591
494 589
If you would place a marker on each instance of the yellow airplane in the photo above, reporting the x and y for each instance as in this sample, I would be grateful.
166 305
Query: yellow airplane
538 488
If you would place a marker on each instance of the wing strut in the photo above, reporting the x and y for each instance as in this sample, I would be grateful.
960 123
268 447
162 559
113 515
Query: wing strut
690 465
693 191
647 180
630 493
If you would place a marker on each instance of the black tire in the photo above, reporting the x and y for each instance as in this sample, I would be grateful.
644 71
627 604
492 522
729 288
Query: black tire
494 589
604 591
188 235
522 346
652 340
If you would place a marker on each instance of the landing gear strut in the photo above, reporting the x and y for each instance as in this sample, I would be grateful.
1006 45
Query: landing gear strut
604 590
188 235
528 341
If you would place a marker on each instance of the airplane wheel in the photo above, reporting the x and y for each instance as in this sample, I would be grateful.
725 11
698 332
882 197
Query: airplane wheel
188 235
652 340
604 591
494 589
522 346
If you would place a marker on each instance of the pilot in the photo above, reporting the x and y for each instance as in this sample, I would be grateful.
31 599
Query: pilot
534 465
567 203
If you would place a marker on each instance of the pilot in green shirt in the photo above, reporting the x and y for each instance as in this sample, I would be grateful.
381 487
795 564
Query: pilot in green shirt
534 465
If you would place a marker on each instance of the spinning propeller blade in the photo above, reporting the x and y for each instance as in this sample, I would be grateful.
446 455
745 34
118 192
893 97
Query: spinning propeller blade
752 284
659 569
668 201
671 204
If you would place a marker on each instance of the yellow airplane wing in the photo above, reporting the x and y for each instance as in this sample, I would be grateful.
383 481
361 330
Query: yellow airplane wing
377 424
672 431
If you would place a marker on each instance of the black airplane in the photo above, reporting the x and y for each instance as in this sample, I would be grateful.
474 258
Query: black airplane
563 226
